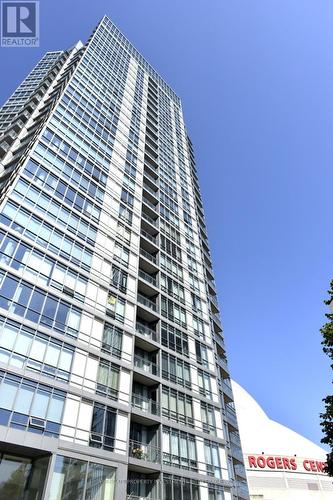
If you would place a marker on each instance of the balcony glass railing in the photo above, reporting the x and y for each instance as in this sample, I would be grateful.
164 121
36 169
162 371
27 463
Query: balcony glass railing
148 255
146 331
151 191
145 404
147 277
149 236
147 302
143 451
150 177
150 204
145 365
231 414
149 219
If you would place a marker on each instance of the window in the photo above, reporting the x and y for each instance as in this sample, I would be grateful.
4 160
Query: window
108 380
115 307
177 406
112 340
61 189
170 248
54 211
21 399
194 282
25 348
174 339
45 234
121 253
208 418
196 302
119 278
73 478
191 247
38 306
127 197
129 183
215 493
212 459
192 264
125 214
171 266
172 288
176 370
198 327
177 488
130 169
170 231
187 218
103 427
202 354
204 384
173 311
123 233
179 449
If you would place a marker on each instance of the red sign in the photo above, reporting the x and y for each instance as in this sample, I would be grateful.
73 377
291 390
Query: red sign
284 463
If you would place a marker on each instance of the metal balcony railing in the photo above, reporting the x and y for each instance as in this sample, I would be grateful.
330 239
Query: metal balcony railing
131 496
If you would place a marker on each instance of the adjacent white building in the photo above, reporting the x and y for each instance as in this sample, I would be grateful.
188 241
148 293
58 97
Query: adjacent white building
280 464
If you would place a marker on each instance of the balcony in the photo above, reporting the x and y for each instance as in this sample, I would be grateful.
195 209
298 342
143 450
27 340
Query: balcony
144 451
226 387
235 439
217 326
150 204
145 365
148 278
146 405
223 364
143 486
148 256
150 191
242 490
150 237
230 414
151 178
214 304
145 301
236 452
146 217
146 331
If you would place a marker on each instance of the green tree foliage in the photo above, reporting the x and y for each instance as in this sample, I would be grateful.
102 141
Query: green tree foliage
327 416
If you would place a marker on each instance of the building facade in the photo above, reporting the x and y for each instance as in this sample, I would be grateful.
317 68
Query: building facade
114 380
280 464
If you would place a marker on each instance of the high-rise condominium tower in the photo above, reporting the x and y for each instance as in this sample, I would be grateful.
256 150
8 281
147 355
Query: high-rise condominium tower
114 381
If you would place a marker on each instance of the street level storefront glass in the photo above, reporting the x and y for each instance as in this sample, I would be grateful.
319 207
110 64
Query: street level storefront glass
77 480
22 478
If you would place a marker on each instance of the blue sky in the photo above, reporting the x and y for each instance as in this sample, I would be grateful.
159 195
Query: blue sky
256 80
